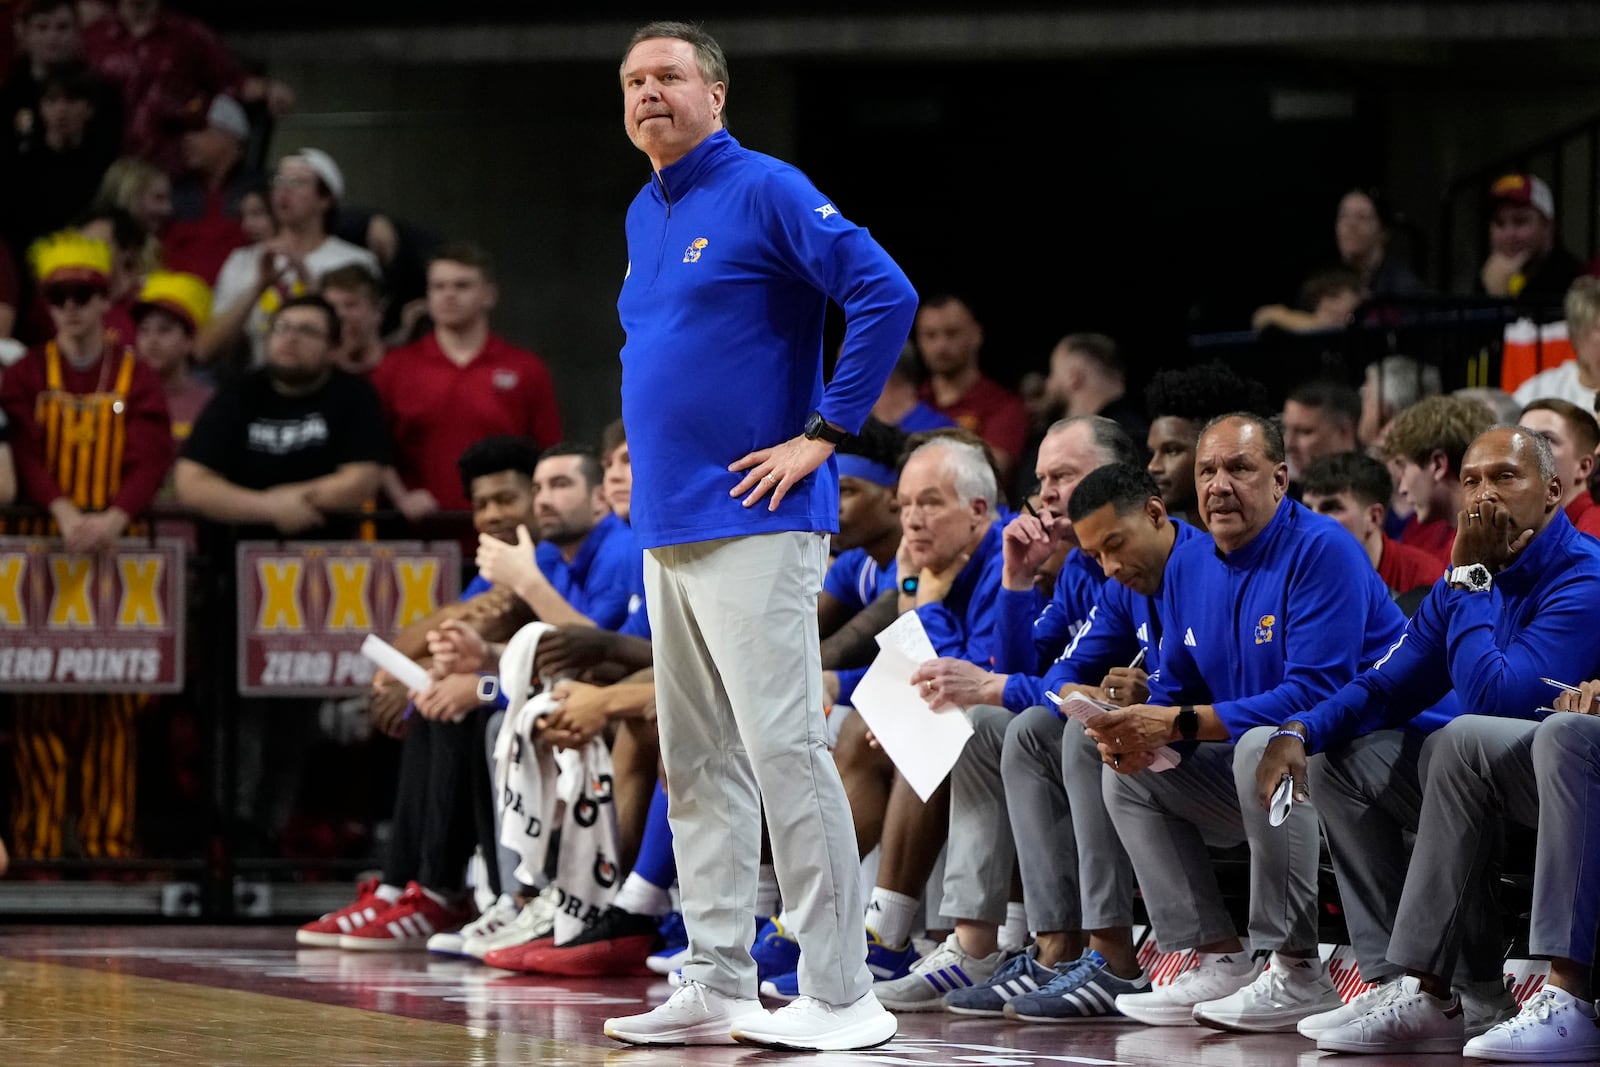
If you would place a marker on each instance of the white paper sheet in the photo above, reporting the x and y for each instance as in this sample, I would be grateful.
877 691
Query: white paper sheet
406 671
906 636
1085 709
924 744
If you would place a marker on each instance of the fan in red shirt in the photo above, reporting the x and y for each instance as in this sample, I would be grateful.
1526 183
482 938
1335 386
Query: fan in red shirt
948 335
457 386
1574 435
1425 444
169 67
1353 489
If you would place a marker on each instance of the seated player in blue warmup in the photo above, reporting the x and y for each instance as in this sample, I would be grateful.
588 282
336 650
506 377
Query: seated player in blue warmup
1516 608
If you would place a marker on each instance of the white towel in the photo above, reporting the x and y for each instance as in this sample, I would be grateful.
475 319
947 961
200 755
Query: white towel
540 788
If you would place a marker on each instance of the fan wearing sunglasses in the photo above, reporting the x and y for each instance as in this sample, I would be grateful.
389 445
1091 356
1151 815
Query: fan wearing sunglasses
92 443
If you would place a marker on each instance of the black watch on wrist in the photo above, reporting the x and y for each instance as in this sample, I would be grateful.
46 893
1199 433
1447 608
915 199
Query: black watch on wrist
1188 723
817 429
908 585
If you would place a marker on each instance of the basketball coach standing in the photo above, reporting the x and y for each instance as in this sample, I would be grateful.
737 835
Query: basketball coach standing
733 257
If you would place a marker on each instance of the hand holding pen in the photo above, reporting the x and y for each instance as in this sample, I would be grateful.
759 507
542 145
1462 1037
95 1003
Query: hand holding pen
1584 698
1128 685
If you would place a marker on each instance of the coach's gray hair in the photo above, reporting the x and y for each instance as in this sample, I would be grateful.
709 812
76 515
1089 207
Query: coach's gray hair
1541 448
968 467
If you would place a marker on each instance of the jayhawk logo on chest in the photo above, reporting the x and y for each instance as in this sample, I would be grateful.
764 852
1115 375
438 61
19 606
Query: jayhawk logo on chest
1264 629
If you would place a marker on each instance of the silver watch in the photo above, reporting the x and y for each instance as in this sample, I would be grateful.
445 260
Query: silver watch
1474 577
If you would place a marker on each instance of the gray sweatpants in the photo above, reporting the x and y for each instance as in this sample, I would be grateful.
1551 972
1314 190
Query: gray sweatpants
1481 770
739 705
979 853
1021 792
1168 820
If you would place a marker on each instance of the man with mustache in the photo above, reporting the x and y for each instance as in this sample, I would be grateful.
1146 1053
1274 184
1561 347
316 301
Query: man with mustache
1280 613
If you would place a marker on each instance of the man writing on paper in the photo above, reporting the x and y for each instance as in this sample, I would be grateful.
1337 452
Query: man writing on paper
1281 611
1077 883
1515 608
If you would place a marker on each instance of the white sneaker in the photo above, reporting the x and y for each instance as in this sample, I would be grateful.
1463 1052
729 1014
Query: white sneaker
536 919
806 1024
694 1015
501 913
1314 1026
945 968
1485 1005
1408 1021
1217 976
1553 1027
1283 994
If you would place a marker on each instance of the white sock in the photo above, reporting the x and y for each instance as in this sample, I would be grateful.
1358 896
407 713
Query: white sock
1304 969
641 897
1014 933
1237 962
766 891
389 893
890 915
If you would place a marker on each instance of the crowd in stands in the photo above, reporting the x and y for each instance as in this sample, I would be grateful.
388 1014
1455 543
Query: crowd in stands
1354 594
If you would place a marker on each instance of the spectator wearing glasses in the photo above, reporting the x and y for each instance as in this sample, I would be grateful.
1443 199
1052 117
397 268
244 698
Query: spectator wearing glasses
293 440
92 445
257 279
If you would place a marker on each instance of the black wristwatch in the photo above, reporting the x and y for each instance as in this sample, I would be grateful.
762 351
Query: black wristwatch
817 429
908 585
1188 723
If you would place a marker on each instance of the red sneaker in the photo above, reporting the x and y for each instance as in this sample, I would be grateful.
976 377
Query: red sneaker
325 932
407 924
619 943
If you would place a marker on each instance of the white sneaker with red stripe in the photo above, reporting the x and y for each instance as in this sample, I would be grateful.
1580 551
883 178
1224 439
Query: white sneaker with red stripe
326 931
501 914
407 924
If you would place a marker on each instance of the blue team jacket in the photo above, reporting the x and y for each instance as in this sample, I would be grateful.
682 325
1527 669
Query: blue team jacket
732 258
604 576
1536 621
1030 639
1274 628
962 625
1120 624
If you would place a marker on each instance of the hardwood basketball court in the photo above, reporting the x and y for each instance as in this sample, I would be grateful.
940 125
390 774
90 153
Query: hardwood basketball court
110 996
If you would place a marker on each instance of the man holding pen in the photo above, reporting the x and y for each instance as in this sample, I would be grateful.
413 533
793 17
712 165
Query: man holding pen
1077 884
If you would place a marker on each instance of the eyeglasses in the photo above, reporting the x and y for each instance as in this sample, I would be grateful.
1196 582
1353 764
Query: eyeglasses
80 293
299 329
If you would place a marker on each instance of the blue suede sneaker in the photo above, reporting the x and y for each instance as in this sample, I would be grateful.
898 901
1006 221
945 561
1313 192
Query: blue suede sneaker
775 951
1022 973
885 963
1082 991
675 945
783 987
